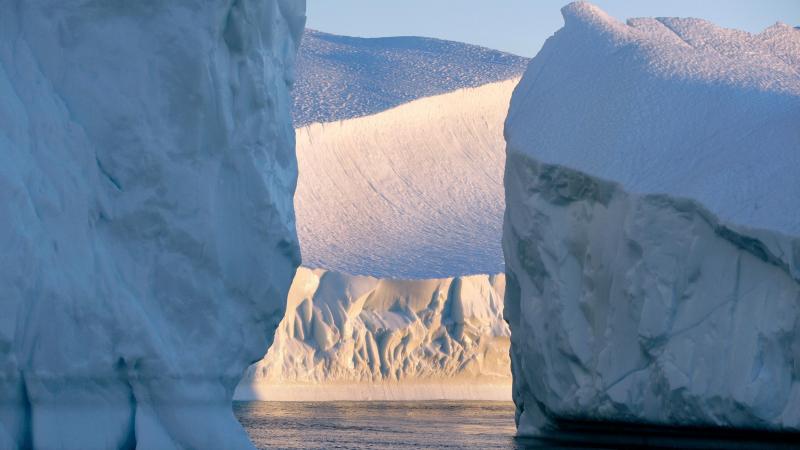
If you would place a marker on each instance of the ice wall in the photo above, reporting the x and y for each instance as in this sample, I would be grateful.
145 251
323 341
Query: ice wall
361 338
652 230
148 238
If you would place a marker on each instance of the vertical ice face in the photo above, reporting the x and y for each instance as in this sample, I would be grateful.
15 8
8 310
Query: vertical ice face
148 238
652 228
348 337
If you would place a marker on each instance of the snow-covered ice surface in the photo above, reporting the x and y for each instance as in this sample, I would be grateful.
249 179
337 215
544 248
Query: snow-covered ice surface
341 77
652 232
412 192
360 338
146 176
677 106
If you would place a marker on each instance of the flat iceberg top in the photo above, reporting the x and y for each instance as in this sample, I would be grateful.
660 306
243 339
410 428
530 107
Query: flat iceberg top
674 106
412 192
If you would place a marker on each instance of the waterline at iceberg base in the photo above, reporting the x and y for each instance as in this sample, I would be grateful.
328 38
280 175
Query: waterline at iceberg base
147 171
651 235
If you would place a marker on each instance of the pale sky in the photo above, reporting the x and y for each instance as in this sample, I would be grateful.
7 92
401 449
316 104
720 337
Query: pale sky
521 26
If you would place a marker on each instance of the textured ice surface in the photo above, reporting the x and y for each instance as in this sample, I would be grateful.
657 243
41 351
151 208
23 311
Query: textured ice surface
361 338
652 223
677 106
341 77
146 176
412 192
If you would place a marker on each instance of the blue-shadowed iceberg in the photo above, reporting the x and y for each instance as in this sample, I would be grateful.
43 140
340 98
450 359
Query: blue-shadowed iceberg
148 239
652 229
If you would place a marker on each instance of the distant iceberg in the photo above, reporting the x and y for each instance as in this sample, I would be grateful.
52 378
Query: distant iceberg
652 231
350 337
343 77
410 200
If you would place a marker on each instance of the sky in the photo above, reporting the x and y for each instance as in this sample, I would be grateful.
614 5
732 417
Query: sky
521 26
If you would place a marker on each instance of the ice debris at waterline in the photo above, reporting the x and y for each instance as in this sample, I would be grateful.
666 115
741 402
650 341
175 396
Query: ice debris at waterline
361 338
146 176
652 233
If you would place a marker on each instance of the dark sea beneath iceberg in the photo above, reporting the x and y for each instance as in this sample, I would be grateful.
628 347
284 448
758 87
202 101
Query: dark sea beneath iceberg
379 425
459 425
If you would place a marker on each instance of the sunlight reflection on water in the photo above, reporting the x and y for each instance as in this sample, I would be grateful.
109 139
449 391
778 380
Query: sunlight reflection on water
379 425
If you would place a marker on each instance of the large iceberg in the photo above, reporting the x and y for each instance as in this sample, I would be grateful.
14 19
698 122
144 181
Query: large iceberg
410 202
347 337
148 237
652 231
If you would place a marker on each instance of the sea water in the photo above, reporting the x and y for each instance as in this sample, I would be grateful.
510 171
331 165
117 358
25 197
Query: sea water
379 425
464 424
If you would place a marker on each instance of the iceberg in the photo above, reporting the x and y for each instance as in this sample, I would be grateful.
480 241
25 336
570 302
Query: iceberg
399 216
347 337
343 77
652 227
147 170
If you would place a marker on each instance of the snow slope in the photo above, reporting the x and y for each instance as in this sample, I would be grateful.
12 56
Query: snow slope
412 192
341 77
652 233
360 338
146 176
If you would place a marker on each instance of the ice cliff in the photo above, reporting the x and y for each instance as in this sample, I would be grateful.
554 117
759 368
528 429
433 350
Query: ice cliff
652 230
148 237
361 338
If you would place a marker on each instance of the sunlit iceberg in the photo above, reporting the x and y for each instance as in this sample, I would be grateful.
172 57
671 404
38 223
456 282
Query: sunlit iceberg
348 337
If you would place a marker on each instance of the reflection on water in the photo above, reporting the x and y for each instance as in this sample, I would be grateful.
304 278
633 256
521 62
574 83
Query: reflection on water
379 425
467 424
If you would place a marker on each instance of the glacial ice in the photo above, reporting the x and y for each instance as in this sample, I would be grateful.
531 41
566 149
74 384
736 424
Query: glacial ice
412 192
413 197
350 337
343 77
652 230
148 237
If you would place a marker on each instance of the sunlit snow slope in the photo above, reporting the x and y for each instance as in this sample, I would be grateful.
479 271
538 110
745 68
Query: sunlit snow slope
412 192
341 77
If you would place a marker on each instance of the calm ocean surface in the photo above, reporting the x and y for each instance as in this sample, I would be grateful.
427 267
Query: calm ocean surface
379 425
456 425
